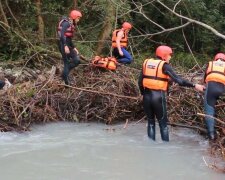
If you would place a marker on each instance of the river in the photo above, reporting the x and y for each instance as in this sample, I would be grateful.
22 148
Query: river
69 151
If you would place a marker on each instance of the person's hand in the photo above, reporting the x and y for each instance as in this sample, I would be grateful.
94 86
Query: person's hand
121 53
67 50
7 84
75 49
199 87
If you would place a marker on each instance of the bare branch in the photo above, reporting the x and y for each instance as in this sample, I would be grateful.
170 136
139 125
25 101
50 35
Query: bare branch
164 31
140 11
194 21
3 13
191 50
174 8
139 8
7 5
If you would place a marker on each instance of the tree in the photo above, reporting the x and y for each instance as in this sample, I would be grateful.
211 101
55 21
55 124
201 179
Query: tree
75 4
3 16
40 21
109 20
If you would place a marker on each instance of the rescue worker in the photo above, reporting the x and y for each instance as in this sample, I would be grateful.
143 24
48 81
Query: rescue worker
120 43
215 87
153 84
69 52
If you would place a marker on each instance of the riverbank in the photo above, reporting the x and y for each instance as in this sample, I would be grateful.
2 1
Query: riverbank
95 95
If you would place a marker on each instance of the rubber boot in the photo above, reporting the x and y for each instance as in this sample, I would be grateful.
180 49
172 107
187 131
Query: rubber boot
210 122
151 131
164 133
211 135
65 78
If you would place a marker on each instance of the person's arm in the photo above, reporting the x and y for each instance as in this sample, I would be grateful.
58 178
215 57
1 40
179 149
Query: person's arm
205 72
140 83
118 39
167 69
65 25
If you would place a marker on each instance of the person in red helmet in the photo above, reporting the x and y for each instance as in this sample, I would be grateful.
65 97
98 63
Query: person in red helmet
215 88
120 43
66 28
153 85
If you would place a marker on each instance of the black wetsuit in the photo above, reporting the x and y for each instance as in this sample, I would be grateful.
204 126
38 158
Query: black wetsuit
214 90
72 59
155 103
2 84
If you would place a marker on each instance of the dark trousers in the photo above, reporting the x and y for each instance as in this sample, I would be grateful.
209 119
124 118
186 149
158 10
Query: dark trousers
213 91
125 59
155 107
70 60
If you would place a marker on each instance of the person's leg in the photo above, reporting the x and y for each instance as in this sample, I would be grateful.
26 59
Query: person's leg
65 73
74 59
209 111
65 59
159 99
150 116
213 92
115 53
126 58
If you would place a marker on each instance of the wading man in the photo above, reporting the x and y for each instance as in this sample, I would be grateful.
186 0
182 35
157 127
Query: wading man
215 88
153 84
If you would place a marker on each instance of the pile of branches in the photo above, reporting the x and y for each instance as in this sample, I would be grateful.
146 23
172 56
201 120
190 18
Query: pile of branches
102 96
95 95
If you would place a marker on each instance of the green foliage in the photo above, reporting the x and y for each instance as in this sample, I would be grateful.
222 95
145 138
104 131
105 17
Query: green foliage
202 41
86 49
187 61
31 93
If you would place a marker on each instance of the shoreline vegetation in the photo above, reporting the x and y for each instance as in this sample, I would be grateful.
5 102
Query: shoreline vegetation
38 95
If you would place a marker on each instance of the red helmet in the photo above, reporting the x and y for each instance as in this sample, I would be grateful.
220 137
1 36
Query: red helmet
163 51
219 56
126 25
75 14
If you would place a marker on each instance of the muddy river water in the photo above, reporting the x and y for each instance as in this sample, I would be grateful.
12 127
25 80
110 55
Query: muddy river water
60 151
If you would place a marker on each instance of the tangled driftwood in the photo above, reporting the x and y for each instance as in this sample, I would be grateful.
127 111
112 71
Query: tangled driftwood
95 96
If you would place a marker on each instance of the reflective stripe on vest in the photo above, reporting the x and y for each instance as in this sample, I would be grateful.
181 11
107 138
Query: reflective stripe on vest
153 77
123 41
70 30
216 72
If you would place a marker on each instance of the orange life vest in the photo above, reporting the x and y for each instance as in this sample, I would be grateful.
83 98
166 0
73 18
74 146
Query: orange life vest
153 76
216 72
123 41
106 63
70 30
